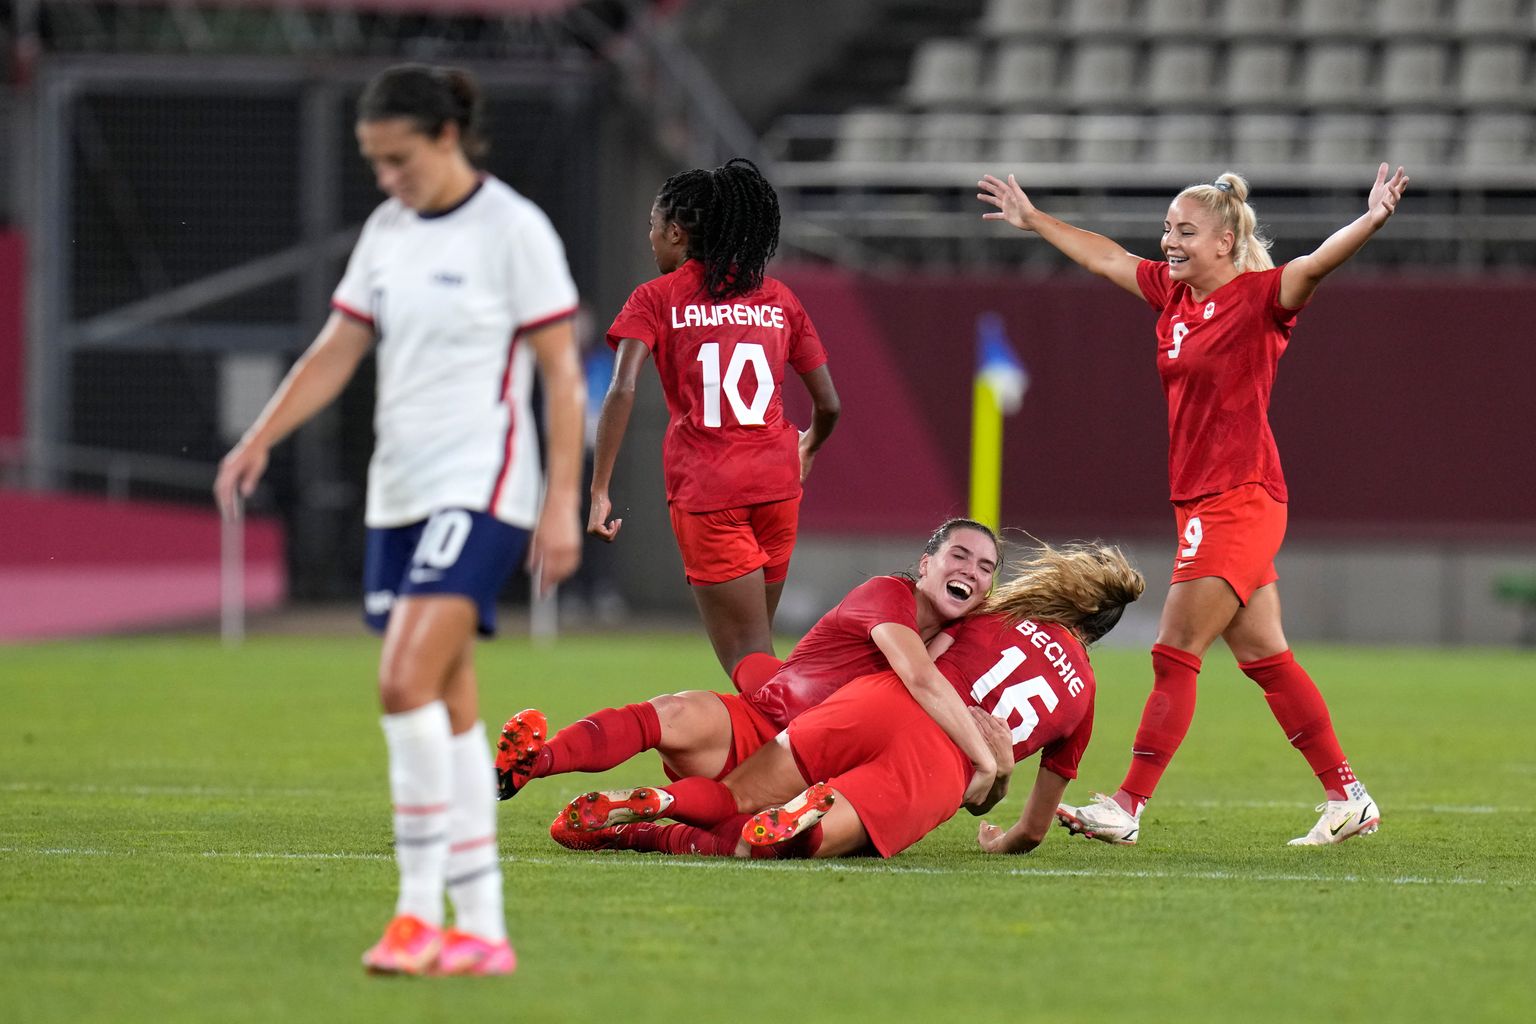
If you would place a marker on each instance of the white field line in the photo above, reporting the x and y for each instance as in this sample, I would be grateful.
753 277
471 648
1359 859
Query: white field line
833 867
248 792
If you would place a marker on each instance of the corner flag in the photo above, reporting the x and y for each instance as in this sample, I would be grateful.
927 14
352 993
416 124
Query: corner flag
998 391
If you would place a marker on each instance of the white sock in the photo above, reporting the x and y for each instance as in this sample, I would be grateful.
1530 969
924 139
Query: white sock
420 784
474 870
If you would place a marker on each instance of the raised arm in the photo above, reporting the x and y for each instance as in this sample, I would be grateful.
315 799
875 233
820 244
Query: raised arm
1303 274
554 552
611 424
1034 822
825 408
1093 252
310 385
908 658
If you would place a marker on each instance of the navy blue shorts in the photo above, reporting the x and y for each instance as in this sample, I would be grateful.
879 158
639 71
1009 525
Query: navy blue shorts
454 551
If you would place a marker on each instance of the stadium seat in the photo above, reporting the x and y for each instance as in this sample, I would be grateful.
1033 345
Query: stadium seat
1185 19
1494 74
1343 140
1196 140
1505 19
872 134
1420 18
1336 74
1104 74
948 137
1498 140
1258 75
1102 18
1345 19
1264 140
1419 141
1031 139
1025 75
1414 73
1008 19
945 73
1108 138
1261 19
1181 74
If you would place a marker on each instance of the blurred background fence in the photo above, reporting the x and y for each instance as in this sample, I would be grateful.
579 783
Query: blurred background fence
181 188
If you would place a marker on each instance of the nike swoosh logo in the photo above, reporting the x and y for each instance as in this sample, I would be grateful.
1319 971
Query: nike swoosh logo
1364 813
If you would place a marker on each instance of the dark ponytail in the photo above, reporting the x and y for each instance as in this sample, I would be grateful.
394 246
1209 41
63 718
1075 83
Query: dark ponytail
731 215
429 97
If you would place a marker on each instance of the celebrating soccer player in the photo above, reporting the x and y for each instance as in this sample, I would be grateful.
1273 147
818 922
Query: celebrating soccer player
1225 317
721 333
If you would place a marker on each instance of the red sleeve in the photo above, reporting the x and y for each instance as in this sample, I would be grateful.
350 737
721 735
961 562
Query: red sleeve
878 600
1282 316
805 348
640 318
1062 756
1152 278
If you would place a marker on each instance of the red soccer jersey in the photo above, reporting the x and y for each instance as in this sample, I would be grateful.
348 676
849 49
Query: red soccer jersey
722 370
838 648
1218 359
1035 677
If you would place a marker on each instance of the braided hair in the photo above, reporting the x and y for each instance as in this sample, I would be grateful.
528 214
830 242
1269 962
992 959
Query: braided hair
731 215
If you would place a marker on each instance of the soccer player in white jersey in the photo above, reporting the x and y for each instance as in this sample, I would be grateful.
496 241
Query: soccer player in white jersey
461 286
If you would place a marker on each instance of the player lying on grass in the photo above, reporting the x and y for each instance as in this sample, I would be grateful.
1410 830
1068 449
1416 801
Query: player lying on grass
884 775
882 625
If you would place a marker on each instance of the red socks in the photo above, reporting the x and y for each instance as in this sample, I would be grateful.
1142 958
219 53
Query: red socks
602 740
700 801
753 671
1302 713
720 841
1164 721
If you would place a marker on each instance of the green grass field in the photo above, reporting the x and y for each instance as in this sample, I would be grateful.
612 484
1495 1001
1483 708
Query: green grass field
192 834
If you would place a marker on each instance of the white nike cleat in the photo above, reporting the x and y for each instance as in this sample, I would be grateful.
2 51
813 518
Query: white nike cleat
1341 820
1104 820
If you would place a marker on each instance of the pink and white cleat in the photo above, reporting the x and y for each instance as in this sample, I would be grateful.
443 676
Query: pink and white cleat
781 824
409 946
466 955
600 809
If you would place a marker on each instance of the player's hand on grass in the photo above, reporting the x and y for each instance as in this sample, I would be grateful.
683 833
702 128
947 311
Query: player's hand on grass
597 518
239 473
992 839
1012 204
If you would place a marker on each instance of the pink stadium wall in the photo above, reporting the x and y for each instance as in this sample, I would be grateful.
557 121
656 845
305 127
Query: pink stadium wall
1403 407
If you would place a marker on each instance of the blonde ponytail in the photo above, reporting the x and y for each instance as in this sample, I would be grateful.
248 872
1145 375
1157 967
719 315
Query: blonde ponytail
1227 199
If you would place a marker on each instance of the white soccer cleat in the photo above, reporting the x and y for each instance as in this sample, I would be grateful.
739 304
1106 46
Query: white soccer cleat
1341 820
1104 820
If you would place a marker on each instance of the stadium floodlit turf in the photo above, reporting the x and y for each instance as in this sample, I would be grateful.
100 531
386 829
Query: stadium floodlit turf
194 834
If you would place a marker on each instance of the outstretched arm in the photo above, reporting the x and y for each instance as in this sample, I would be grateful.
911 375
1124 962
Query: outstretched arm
825 408
1302 275
611 424
555 550
908 658
318 377
1094 253
1033 823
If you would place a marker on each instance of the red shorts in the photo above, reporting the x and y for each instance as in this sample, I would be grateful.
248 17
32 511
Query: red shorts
749 731
1234 535
877 747
727 544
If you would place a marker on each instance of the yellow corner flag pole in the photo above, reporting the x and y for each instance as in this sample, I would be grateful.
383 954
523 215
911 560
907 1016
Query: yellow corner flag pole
997 391
986 455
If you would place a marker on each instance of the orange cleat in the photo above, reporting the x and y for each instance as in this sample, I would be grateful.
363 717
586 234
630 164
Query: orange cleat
466 955
601 809
560 831
781 824
409 946
521 740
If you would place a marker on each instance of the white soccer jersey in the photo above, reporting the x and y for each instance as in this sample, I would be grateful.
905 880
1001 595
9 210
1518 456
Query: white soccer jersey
449 296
